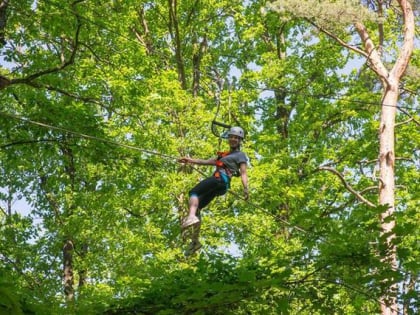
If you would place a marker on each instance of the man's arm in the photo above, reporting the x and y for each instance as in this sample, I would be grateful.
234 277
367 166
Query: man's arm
244 178
211 161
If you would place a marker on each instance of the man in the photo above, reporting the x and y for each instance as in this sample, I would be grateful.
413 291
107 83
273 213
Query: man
228 164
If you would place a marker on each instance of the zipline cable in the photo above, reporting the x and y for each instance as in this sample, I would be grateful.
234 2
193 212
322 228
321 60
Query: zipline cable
131 147
215 123
152 152
85 136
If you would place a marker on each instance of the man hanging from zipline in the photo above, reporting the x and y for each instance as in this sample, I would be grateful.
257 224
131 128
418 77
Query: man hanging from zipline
228 164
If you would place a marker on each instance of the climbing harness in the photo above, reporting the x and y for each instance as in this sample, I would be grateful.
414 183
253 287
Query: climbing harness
226 175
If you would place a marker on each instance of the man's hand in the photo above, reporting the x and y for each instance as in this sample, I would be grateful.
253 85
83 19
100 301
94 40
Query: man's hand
246 193
185 160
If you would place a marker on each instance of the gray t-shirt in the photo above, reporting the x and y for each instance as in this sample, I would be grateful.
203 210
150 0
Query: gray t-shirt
233 162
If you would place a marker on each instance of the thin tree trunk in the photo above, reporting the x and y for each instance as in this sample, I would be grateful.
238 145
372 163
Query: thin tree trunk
387 191
389 304
3 21
68 279
196 60
174 30
390 81
83 271
68 248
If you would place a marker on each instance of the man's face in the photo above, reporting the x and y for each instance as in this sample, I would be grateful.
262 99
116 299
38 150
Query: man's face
234 141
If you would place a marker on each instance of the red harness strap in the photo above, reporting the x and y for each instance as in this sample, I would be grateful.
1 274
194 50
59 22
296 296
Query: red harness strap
220 164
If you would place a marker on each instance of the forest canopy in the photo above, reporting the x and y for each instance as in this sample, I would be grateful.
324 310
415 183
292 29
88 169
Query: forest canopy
98 101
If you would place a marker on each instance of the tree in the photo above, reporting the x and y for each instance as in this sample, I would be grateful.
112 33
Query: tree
100 98
375 54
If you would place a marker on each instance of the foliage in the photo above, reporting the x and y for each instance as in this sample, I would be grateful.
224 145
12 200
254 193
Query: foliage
98 100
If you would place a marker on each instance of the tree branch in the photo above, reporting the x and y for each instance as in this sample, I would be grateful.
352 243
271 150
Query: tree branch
19 142
32 282
368 189
339 40
409 115
4 81
4 211
176 37
408 43
69 94
347 185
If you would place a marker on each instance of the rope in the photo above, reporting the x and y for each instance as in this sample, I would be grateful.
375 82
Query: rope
85 136
131 147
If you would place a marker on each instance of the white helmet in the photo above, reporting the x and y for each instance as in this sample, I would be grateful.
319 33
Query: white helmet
236 131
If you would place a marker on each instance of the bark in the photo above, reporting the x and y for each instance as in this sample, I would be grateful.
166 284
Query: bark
3 21
196 60
143 35
387 149
174 30
4 82
390 81
68 279
68 248
83 271
387 190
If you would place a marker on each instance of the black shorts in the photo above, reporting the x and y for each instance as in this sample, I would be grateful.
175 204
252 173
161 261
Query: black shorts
207 190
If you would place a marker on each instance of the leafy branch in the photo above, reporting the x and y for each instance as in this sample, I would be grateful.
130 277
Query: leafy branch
5 82
19 142
347 185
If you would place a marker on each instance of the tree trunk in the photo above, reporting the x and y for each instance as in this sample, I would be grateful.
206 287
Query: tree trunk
389 304
390 82
68 279
83 271
3 21
386 190
174 30
199 51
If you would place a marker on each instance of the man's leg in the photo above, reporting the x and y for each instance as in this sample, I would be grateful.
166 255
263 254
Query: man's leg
200 196
193 205
192 212
195 241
